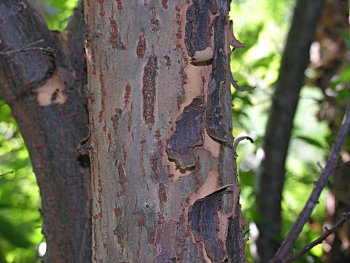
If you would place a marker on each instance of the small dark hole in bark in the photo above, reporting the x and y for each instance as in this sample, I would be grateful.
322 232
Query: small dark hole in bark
84 160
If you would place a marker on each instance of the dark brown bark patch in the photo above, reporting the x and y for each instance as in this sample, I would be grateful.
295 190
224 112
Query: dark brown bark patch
102 8
121 179
127 94
204 224
119 5
214 111
115 38
165 4
197 25
141 45
235 241
187 135
163 198
155 24
158 174
149 90
167 60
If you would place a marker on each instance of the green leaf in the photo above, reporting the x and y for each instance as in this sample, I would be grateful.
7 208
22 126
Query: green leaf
345 75
342 94
310 141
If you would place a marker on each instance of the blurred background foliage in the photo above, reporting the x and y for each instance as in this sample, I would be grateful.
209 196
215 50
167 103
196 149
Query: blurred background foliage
262 26
20 223
57 12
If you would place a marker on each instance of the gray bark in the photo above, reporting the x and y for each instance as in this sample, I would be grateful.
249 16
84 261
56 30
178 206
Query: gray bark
163 166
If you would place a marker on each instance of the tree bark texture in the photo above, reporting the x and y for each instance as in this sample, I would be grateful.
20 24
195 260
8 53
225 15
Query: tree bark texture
42 77
163 181
280 123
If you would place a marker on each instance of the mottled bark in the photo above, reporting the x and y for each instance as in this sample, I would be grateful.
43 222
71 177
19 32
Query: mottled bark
285 99
163 182
42 78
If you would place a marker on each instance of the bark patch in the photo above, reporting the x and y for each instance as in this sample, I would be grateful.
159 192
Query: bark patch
235 241
165 4
119 5
215 123
52 92
149 90
163 198
197 25
165 241
158 173
116 118
141 45
204 223
115 38
127 94
187 135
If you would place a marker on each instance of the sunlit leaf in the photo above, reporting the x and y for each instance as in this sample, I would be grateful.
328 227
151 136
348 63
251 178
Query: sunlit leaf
310 141
345 75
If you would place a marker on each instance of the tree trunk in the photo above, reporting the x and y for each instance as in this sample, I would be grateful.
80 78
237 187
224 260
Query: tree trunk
280 123
42 78
163 181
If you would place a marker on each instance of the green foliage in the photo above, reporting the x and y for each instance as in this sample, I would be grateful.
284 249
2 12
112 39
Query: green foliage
257 65
57 12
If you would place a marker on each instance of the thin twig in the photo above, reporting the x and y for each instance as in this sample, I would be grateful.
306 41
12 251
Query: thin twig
238 140
29 47
304 216
236 193
319 240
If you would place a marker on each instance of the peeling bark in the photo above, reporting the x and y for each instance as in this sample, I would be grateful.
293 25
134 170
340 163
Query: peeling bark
187 135
214 112
157 174
197 25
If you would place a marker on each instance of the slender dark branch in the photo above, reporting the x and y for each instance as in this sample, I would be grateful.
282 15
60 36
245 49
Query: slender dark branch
319 240
239 139
29 47
288 243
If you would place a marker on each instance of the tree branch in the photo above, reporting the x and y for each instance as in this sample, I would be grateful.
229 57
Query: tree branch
271 175
29 47
288 243
33 59
319 240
